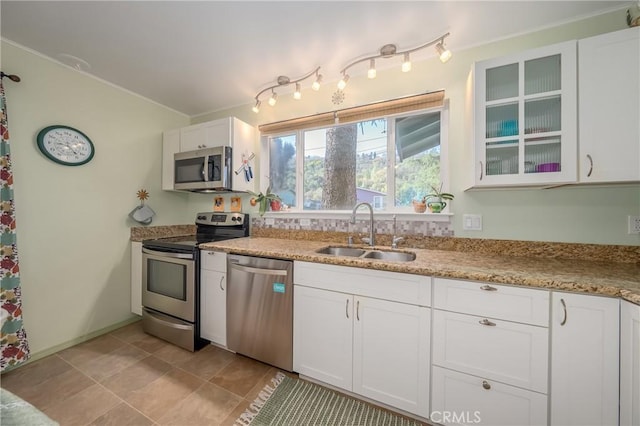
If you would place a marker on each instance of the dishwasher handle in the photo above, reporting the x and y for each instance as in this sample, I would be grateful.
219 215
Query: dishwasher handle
254 270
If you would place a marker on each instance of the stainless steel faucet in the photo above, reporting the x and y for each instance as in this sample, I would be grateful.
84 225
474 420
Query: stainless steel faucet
372 237
395 240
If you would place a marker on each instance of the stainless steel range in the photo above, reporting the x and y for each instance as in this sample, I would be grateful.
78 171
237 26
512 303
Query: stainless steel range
171 281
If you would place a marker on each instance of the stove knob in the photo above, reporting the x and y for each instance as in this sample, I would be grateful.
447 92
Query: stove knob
201 217
234 219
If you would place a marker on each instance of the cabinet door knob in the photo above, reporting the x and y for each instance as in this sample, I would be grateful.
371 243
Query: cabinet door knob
488 288
487 322
590 165
486 385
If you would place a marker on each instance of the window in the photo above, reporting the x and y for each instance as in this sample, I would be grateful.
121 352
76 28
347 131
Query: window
386 153
386 161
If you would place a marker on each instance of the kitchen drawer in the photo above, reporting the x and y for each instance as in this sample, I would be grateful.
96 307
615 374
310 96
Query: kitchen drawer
213 260
465 399
393 286
509 352
526 305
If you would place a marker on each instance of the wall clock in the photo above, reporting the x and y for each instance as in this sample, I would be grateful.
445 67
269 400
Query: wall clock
65 145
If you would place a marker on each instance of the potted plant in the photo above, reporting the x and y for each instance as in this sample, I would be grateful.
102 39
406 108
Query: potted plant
273 200
435 200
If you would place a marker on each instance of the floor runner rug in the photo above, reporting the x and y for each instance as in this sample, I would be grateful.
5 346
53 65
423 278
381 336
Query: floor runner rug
287 402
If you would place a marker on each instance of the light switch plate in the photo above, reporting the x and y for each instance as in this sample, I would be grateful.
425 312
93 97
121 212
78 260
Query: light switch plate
472 222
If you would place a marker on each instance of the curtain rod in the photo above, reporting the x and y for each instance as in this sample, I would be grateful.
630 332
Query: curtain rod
11 77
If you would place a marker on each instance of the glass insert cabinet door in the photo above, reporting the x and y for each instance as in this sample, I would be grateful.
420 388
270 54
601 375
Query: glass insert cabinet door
525 117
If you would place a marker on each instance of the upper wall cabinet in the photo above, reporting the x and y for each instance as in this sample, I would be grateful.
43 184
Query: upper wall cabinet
609 107
526 118
240 136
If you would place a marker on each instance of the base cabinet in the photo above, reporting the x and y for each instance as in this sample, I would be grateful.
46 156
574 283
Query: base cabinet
136 277
463 399
373 347
629 364
213 297
584 359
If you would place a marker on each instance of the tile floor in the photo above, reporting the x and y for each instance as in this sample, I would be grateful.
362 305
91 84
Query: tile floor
127 377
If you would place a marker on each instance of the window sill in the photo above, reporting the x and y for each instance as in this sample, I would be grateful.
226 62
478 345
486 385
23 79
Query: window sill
362 213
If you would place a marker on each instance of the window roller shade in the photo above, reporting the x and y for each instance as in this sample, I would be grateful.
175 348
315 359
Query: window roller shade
359 113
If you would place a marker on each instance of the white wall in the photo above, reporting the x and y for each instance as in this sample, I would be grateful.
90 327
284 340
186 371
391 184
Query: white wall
580 214
73 228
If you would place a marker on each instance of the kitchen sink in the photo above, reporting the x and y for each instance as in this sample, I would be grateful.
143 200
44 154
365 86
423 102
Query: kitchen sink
342 251
397 256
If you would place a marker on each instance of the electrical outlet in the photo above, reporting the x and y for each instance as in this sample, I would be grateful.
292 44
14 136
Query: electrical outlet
305 222
634 224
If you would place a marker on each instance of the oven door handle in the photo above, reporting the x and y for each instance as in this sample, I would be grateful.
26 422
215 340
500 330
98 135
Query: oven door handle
167 254
260 271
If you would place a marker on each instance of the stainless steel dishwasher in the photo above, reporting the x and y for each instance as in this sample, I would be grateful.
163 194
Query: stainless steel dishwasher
260 309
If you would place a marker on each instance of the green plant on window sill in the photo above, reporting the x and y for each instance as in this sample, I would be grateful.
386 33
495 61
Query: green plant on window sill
435 200
262 200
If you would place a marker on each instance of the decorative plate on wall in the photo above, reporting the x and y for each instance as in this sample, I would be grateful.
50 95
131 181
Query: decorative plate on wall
65 145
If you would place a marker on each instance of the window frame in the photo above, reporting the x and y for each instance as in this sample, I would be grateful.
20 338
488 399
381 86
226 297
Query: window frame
391 161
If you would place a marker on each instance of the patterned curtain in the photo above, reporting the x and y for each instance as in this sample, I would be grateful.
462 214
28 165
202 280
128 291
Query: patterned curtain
14 348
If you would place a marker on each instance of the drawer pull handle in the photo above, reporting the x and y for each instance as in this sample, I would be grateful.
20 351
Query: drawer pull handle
221 281
488 288
487 322
358 310
590 165
486 385
564 308
346 309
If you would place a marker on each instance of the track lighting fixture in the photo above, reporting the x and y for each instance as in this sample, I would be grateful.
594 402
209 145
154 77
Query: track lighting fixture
443 52
406 63
391 50
372 69
283 81
343 81
273 99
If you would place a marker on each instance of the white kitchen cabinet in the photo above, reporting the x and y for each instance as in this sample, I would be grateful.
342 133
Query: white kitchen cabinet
322 335
526 118
206 135
490 347
463 399
230 131
391 353
629 364
609 107
508 352
584 359
213 297
136 277
373 347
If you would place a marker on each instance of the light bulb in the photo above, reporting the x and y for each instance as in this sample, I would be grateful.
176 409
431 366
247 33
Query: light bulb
316 84
297 95
443 52
406 63
256 107
343 82
372 69
273 99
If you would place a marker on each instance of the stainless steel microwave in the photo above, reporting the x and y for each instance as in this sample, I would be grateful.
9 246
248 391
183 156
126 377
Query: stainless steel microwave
203 170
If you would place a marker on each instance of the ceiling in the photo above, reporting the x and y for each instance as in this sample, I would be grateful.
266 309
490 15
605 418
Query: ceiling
202 56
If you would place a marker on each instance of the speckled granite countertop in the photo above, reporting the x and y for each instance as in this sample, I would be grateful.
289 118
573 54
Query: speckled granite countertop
597 277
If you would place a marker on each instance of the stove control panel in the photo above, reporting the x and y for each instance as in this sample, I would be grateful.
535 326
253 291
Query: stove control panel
220 218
